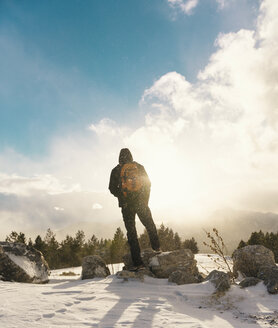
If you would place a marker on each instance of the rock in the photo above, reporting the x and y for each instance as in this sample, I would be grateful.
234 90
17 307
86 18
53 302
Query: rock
139 275
163 264
257 261
182 277
127 261
270 277
93 266
250 259
22 263
249 281
220 279
145 255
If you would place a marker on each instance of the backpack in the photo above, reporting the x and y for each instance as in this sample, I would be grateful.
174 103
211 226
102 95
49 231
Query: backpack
131 179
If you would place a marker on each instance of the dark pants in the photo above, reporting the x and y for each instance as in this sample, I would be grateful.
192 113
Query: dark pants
145 216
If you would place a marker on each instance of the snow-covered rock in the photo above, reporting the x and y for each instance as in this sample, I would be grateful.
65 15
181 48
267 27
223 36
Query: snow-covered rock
22 263
94 267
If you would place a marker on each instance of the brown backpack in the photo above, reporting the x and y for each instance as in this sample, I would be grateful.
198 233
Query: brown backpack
131 179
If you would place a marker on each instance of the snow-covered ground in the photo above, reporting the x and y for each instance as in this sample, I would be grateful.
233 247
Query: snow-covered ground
68 301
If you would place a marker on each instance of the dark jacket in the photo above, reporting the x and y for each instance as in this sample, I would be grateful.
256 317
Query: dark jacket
115 181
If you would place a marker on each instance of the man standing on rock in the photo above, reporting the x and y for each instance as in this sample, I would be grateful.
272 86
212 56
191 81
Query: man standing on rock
130 183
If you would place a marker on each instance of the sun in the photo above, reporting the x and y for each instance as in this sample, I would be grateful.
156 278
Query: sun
173 184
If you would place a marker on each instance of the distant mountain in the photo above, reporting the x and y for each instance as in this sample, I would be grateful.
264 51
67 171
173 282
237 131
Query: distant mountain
232 225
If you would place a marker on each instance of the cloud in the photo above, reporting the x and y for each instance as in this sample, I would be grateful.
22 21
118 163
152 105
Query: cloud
222 3
187 6
25 186
205 145
59 209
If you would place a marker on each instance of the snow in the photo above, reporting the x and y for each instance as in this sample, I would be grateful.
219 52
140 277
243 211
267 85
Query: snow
67 301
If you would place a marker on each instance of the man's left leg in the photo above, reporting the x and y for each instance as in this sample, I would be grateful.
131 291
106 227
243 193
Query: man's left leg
129 220
145 216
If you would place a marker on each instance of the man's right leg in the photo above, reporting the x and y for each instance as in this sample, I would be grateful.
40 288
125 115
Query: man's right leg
145 216
129 220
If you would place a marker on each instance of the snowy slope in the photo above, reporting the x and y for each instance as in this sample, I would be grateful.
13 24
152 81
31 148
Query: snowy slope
68 301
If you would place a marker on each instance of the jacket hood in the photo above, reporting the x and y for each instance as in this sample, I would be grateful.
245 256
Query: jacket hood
125 156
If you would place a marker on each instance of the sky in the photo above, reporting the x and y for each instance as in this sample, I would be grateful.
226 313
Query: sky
191 87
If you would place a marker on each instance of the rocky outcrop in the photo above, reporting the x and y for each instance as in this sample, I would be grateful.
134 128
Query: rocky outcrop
94 267
22 263
221 280
257 261
178 266
250 259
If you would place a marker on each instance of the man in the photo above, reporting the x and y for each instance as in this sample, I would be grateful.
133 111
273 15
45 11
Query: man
130 183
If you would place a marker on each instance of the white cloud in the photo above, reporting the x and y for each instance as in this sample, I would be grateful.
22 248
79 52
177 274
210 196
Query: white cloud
185 6
59 209
24 186
222 3
108 127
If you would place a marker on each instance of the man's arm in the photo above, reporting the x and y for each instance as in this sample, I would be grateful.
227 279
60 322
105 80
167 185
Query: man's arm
114 182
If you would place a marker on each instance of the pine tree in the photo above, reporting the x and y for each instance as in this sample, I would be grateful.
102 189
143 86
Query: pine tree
51 249
91 246
144 240
241 244
118 246
191 244
14 237
40 244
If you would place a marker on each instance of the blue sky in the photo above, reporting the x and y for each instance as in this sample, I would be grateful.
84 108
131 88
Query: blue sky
67 64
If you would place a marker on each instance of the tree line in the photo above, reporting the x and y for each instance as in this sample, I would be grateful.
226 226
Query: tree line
268 239
70 251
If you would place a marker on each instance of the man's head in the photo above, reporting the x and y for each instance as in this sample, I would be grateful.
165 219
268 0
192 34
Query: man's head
125 156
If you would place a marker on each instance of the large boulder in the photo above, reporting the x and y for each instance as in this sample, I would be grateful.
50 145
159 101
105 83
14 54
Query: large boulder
93 266
22 263
163 264
257 261
250 259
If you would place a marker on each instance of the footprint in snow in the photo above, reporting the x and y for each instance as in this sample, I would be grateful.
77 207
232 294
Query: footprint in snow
48 315
63 310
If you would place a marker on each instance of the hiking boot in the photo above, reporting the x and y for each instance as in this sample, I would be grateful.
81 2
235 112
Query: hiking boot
137 268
